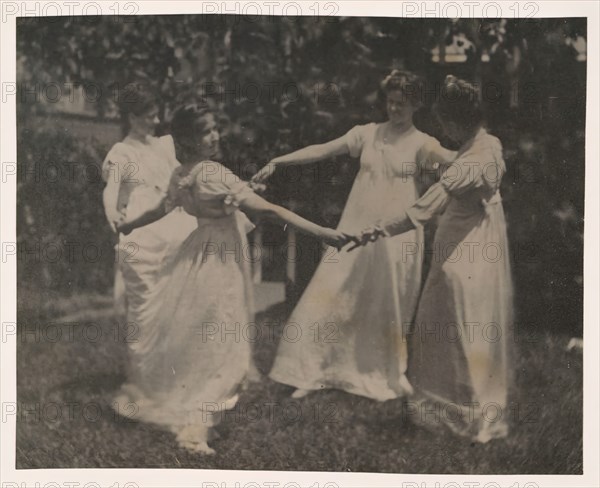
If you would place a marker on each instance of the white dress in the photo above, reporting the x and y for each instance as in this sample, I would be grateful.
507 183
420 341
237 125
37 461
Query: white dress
140 173
459 354
347 330
197 347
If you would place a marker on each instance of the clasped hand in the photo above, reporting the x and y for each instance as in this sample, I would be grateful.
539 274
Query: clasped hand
370 234
339 239
331 237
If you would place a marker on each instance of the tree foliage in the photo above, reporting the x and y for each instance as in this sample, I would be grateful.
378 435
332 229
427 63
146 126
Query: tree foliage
281 83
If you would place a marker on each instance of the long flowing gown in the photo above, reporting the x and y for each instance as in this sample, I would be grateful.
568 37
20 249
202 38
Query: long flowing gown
347 330
197 348
140 174
459 349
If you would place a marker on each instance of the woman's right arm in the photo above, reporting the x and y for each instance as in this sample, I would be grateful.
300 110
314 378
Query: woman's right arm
463 175
309 154
256 206
116 186
434 202
110 198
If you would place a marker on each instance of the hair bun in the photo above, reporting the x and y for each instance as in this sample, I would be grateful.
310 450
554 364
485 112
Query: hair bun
405 81
452 88
185 118
399 77
456 88
459 102
137 97
450 80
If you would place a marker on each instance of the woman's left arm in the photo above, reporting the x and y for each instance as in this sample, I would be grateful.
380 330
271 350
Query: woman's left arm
151 215
167 202
432 161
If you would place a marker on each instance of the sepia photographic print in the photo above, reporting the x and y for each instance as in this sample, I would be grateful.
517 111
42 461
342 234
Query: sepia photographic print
293 244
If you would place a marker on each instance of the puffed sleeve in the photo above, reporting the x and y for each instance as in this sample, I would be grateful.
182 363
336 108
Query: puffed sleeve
168 146
477 168
355 139
463 175
215 180
471 170
236 195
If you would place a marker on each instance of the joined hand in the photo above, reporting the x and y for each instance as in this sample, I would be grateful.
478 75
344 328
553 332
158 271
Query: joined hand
370 234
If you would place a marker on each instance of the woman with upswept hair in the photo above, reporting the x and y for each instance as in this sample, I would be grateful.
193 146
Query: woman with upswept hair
137 171
200 338
459 351
348 325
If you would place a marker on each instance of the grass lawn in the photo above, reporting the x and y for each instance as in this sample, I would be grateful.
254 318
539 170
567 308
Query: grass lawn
65 387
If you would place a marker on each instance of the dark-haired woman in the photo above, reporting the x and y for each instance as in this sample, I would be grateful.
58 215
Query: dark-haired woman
200 339
347 328
459 351
137 173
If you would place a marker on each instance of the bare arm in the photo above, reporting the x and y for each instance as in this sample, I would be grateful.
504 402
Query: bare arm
256 206
388 228
110 198
151 215
433 159
313 153
309 154
117 187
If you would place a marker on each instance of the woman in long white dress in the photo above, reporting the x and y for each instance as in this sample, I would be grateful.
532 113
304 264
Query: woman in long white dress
348 327
459 350
137 172
201 337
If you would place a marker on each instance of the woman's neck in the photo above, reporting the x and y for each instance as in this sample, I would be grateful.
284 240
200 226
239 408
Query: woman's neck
137 135
398 129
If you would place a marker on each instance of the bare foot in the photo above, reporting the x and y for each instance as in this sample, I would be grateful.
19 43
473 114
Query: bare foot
300 393
491 431
406 386
193 438
253 377
200 447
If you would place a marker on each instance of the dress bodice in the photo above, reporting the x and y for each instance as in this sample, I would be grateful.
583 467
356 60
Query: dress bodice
400 159
208 191
137 163
386 183
141 172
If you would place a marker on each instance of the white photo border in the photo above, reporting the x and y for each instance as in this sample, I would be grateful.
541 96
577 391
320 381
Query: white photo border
183 478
